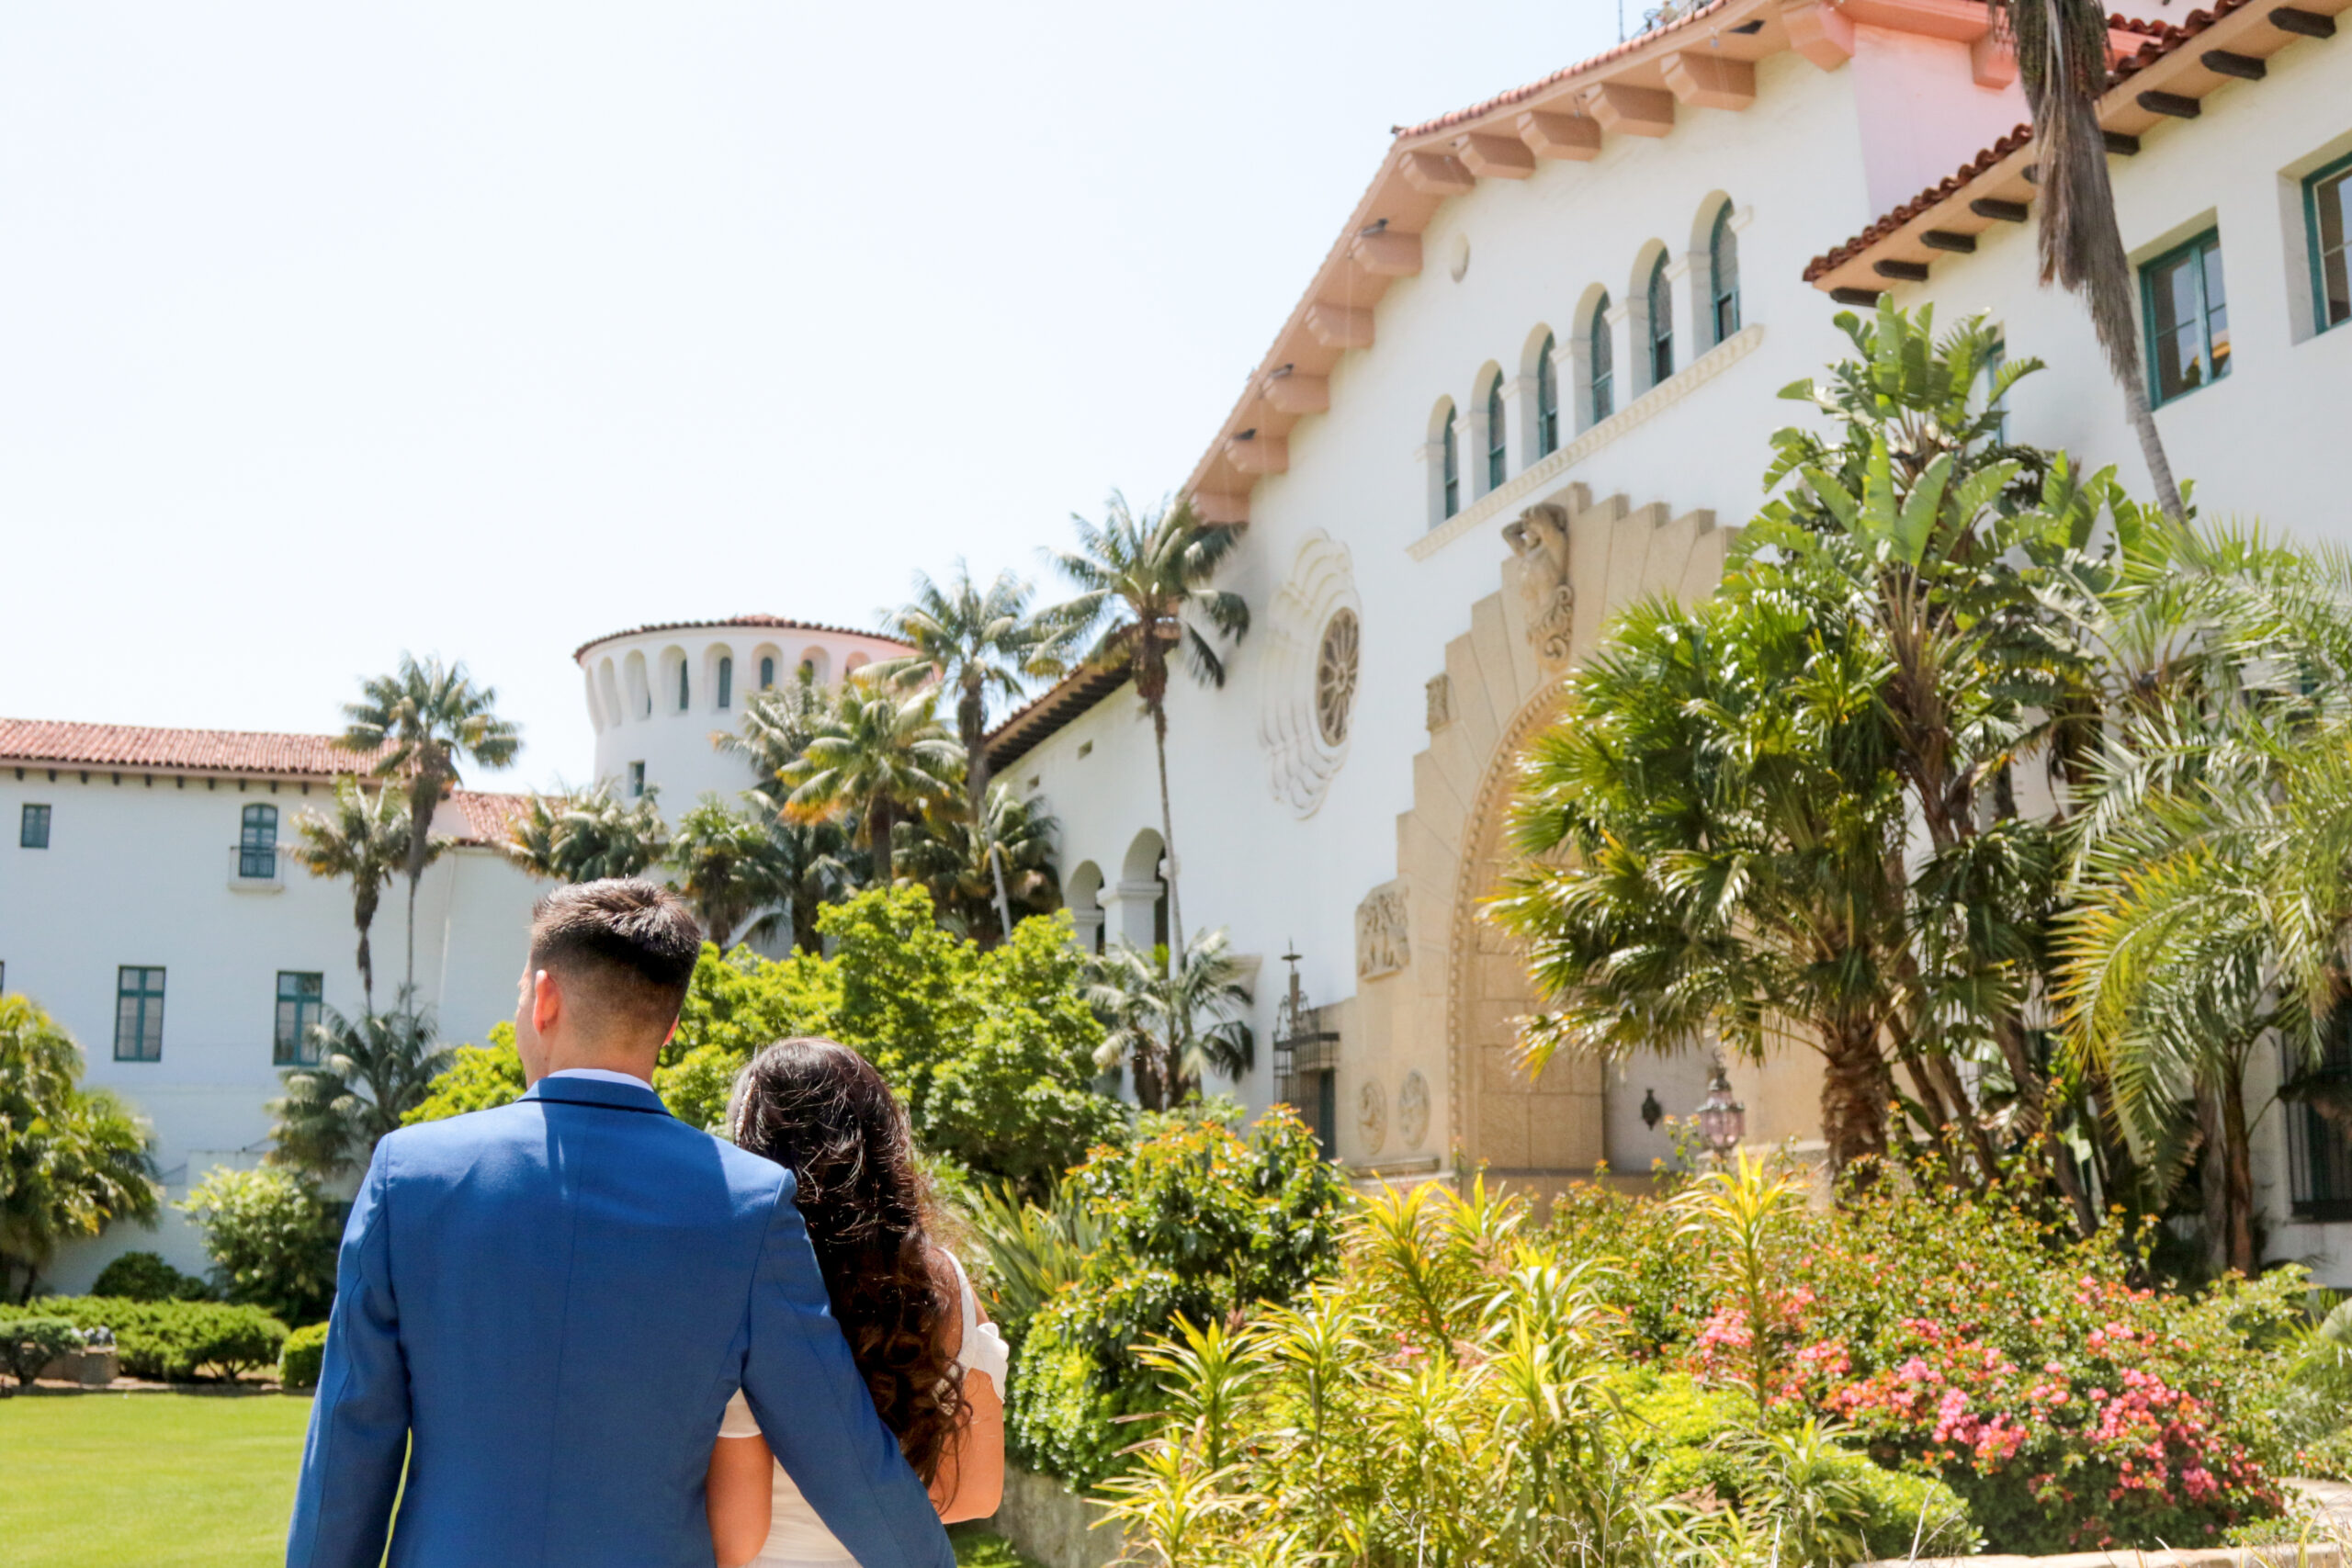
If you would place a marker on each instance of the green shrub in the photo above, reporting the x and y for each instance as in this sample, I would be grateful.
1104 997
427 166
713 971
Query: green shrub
272 1236
28 1344
145 1277
1191 1222
177 1341
298 1362
477 1079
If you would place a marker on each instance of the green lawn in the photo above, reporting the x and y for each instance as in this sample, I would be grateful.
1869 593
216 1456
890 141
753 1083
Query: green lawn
192 1481
188 1479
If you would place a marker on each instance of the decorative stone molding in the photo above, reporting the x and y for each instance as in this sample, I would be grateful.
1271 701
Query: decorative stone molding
1306 701
1384 945
1439 696
1539 542
1372 1116
1530 482
1413 1109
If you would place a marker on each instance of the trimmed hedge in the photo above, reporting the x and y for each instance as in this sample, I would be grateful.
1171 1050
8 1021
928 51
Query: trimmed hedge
298 1364
172 1341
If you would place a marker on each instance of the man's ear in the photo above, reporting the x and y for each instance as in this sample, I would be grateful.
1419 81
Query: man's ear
547 1001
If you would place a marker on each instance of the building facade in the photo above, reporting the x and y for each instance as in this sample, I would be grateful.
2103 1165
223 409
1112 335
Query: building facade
1534 380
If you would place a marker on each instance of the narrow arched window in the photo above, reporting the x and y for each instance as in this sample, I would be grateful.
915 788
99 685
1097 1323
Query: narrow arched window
1661 304
1604 363
1453 463
726 681
1497 456
682 685
767 672
1547 401
1723 272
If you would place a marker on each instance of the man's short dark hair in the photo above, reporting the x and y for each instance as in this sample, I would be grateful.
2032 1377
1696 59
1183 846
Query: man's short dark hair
628 946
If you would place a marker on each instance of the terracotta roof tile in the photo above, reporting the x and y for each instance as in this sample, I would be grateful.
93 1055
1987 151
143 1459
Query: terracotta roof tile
1535 88
2163 38
194 750
488 817
752 620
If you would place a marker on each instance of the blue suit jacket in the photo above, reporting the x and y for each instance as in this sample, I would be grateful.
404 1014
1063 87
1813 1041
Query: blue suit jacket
544 1309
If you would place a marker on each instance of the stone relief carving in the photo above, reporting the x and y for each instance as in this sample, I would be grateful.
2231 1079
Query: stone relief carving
1372 1115
1306 700
1440 695
1383 944
1413 1109
1539 541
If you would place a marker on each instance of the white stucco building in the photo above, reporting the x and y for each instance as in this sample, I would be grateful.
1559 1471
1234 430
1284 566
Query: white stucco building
1533 380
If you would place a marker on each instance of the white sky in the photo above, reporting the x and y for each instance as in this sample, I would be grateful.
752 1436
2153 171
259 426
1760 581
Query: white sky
482 329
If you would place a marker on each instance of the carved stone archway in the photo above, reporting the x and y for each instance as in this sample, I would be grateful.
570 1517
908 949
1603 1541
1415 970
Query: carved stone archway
1448 1013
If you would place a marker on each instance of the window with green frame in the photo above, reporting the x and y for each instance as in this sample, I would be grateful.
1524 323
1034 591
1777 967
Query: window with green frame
1547 398
139 1013
302 999
1450 457
2188 318
2327 213
257 842
1497 457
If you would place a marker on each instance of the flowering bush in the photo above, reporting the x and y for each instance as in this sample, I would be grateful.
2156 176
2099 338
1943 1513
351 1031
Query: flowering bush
1964 1340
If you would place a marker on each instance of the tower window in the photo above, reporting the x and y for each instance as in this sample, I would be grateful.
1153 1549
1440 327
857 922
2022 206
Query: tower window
636 780
1451 459
1603 360
1497 456
726 681
767 672
682 686
1723 272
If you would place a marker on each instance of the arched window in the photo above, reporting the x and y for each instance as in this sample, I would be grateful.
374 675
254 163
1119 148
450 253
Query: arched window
726 681
807 671
682 685
257 842
1452 467
1604 363
1547 401
1661 302
1497 456
1723 272
767 672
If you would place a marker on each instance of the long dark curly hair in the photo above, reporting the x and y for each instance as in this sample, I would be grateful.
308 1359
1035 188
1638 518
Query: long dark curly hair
820 1109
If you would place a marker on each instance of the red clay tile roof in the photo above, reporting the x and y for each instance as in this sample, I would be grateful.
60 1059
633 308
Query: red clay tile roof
1535 88
754 620
2162 40
489 818
55 742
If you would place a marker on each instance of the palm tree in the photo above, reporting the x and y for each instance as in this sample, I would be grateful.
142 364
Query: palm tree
778 726
1172 1020
364 839
1144 592
977 644
72 1160
583 835
875 753
985 875
2062 62
419 723
730 866
372 1071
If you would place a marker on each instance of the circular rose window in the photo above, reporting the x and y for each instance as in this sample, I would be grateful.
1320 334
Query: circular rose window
1334 677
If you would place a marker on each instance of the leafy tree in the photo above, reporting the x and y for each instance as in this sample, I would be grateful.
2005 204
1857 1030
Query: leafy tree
145 1277
809 856
2062 48
731 867
364 839
986 873
272 1239
1170 1022
585 835
418 724
73 1161
477 1079
875 753
1144 592
372 1071
976 644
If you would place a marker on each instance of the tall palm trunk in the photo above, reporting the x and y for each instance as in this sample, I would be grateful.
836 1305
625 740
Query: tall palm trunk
878 823
363 915
971 721
424 796
1168 835
2228 1176
1855 1090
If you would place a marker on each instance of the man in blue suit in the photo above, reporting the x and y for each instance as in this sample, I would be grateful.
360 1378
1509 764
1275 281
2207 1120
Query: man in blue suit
544 1309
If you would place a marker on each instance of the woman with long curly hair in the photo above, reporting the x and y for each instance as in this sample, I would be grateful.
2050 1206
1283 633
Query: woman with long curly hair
931 1358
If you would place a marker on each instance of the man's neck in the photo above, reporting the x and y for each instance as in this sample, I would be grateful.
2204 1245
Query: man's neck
616 1075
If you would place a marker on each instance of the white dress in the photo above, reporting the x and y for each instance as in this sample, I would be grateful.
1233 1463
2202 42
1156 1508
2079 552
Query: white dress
797 1537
